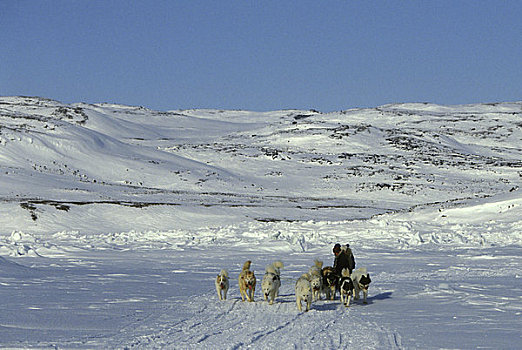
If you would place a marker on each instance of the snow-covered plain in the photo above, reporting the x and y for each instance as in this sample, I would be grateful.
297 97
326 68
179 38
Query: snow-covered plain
115 220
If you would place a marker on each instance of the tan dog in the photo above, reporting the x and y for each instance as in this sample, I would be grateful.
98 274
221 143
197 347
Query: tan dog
247 282
222 284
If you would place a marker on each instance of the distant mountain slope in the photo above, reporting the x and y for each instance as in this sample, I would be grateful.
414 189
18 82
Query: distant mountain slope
104 160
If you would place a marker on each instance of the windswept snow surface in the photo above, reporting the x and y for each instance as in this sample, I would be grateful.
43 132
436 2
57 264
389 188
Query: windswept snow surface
115 220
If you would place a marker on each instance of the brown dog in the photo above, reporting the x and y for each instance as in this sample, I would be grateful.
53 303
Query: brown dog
330 282
247 282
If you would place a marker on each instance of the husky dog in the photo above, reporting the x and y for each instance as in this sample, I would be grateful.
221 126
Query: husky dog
247 282
316 279
272 281
303 292
361 282
330 282
222 284
346 287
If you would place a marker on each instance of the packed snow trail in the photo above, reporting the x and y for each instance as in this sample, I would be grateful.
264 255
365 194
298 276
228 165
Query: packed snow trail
201 321
235 324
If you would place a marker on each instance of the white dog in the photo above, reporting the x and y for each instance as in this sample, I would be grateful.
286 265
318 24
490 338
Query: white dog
303 292
222 284
361 282
316 279
272 281
346 287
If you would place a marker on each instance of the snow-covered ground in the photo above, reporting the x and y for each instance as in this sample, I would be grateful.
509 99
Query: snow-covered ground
115 220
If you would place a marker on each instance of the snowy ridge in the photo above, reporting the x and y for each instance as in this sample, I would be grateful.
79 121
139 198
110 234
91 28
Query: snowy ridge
490 222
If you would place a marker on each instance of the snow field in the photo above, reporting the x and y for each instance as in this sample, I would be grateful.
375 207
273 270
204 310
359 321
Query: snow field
129 294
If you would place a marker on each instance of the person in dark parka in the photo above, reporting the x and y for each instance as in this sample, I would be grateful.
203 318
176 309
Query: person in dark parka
343 258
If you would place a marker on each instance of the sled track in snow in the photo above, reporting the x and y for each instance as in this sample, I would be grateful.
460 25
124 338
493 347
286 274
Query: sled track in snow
237 325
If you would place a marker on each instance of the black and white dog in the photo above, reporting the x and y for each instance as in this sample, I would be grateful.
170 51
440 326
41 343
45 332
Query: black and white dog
361 282
346 287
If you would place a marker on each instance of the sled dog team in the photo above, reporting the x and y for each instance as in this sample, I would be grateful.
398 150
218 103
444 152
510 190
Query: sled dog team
308 288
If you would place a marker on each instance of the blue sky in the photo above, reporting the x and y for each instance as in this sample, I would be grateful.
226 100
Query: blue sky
262 55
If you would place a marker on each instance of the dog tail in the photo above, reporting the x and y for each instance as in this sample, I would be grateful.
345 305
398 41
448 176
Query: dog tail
306 276
362 270
345 272
318 264
274 267
224 273
312 271
271 269
278 264
246 265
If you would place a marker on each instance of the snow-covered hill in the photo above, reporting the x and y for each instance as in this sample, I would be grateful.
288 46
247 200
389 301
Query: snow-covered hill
283 165
114 220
